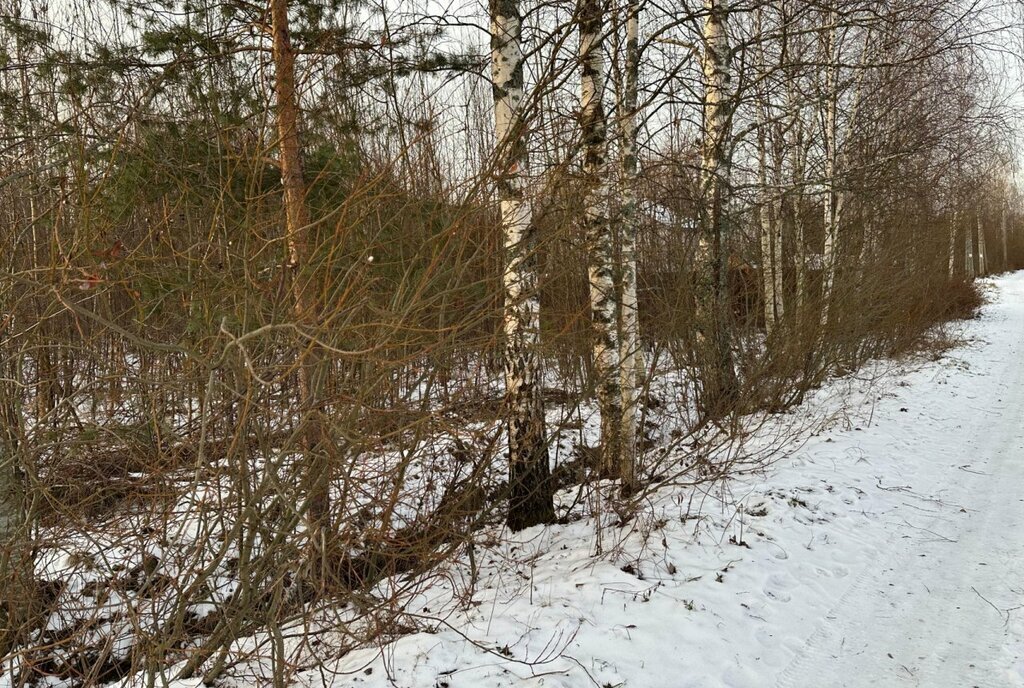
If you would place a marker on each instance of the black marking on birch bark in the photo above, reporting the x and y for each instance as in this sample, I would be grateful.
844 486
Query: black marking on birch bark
530 488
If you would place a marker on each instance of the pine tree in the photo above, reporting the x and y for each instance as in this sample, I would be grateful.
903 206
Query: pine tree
311 368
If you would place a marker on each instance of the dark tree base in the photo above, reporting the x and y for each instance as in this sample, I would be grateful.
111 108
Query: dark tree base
531 500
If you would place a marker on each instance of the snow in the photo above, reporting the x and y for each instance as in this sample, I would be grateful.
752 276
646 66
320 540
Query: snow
880 552
876 549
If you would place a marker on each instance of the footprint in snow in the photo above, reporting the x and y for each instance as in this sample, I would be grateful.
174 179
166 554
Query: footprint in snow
777 595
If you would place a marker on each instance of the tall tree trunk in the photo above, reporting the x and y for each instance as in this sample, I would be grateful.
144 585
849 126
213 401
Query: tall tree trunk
969 270
797 200
530 489
630 357
46 387
719 376
769 214
953 224
1002 234
601 264
778 290
767 249
792 139
831 144
16 559
835 154
982 251
867 246
770 201
312 364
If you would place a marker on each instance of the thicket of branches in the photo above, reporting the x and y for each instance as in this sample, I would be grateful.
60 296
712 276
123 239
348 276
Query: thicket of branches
300 296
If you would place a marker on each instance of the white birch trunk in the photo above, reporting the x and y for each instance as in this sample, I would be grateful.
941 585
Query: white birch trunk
1002 234
603 302
770 216
968 253
954 222
530 496
777 263
796 147
831 144
770 211
630 357
715 183
982 251
835 162
867 250
768 262
767 267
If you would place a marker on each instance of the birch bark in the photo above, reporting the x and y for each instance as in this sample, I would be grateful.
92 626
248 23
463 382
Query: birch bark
1002 234
835 158
719 384
770 216
631 360
969 253
797 157
604 312
530 496
833 201
982 252
954 222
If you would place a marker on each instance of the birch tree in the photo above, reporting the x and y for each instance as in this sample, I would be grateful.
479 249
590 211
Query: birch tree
830 140
770 200
969 270
530 497
719 377
1002 234
630 357
982 253
769 215
797 146
600 246
795 142
833 138
954 223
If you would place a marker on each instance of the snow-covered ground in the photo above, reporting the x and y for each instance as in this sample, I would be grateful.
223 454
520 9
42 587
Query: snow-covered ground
883 551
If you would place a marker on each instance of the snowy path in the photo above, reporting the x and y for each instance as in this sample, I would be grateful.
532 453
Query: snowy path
937 604
886 551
